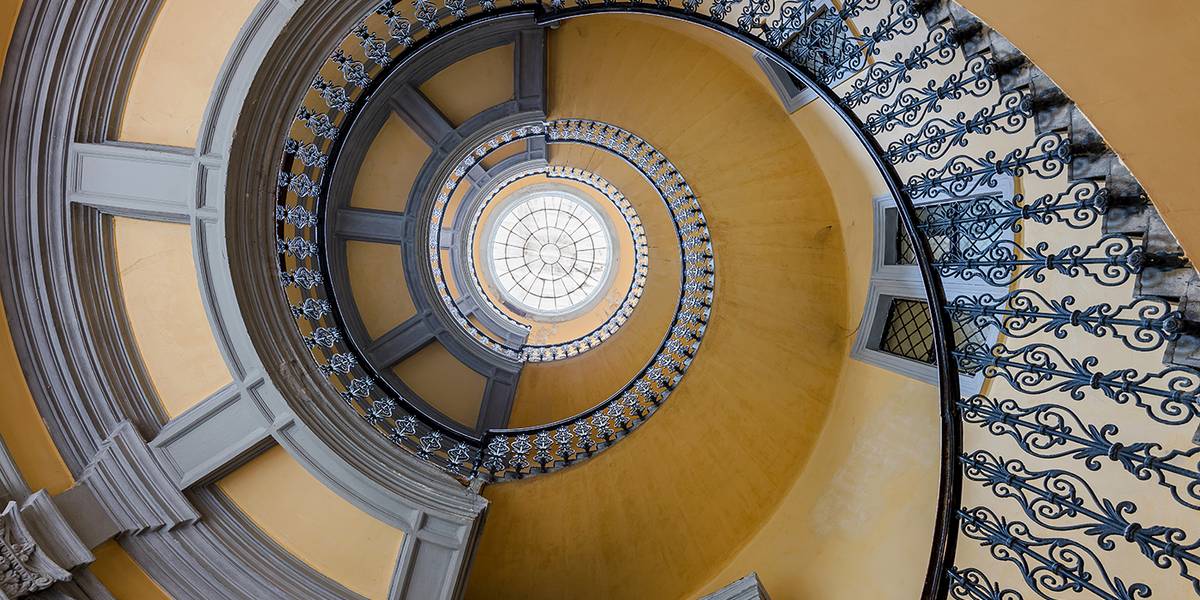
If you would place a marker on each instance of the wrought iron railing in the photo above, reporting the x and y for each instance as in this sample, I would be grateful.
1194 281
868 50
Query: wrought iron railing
1071 389
531 352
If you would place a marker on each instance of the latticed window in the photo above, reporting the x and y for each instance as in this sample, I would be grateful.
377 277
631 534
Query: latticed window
813 35
825 46
896 331
957 230
908 331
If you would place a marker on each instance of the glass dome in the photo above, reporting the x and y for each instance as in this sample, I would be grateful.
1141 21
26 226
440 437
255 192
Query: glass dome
550 252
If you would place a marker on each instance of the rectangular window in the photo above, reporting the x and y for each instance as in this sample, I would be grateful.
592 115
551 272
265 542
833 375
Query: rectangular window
825 46
815 37
896 330
908 331
956 230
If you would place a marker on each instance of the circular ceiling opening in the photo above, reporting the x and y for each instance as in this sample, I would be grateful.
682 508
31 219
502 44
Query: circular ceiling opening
549 252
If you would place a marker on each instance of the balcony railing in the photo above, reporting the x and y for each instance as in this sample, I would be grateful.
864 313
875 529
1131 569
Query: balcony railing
1078 449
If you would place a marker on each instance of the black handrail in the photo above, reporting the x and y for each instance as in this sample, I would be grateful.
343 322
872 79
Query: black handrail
946 528
950 484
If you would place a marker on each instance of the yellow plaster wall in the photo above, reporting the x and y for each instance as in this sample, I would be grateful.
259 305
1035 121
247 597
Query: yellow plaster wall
9 9
162 298
123 577
378 285
857 522
662 512
24 433
179 64
21 425
1128 67
445 383
314 523
390 167
488 75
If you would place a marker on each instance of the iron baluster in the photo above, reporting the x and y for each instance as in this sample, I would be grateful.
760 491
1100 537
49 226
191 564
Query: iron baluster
1077 207
912 104
1111 261
1054 431
1048 565
1063 501
937 136
972 584
1168 396
962 175
1022 313
884 77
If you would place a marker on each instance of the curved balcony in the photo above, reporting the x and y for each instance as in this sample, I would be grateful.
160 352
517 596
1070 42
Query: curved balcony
1009 257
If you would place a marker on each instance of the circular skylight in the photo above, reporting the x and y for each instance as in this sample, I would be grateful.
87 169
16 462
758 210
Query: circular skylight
550 252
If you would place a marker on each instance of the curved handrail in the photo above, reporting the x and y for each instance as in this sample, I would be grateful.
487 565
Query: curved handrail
926 135
428 15
950 482
531 352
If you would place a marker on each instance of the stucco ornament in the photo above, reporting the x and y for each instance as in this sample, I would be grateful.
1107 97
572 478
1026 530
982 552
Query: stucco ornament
24 568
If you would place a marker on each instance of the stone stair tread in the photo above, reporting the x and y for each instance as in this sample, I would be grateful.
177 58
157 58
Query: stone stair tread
1126 215
1168 283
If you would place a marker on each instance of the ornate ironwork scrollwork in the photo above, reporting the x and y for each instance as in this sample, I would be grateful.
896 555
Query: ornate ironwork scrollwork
1054 431
973 584
1168 396
884 77
912 104
1049 566
1063 501
937 136
1151 322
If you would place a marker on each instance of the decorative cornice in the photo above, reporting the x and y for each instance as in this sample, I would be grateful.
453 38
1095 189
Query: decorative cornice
68 347
132 488
24 566
279 85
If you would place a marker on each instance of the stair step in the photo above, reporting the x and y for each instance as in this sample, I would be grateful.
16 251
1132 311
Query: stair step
1129 211
934 12
973 34
1052 109
1164 283
1091 157
1185 351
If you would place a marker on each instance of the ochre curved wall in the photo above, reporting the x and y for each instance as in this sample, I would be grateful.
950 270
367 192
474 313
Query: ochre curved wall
662 511
161 294
856 523
315 524
179 64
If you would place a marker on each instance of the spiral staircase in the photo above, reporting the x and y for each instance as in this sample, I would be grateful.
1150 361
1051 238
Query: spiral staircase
713 299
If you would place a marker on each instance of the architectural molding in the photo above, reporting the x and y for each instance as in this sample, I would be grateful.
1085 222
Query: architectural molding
133 180
746 588
24 567
110 333
196 546
126 481
55 535
12 484
399 94
372 225
792 95
214 437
